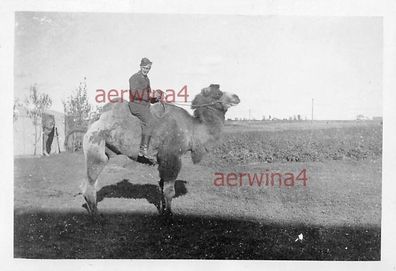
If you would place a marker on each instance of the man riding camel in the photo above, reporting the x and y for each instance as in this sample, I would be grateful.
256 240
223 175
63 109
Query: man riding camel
140 97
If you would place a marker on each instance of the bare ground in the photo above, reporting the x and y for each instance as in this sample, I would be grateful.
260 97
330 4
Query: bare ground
338 212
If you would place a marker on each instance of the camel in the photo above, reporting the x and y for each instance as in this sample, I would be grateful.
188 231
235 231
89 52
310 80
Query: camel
176 132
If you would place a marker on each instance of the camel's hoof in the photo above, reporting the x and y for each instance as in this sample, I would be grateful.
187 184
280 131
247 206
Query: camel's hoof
90 211
166 213
85 206
162 205
94 216
89 206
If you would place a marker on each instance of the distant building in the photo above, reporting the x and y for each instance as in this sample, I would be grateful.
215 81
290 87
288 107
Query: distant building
24 132
362 117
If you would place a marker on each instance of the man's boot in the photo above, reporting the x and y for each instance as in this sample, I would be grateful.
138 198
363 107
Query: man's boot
143 157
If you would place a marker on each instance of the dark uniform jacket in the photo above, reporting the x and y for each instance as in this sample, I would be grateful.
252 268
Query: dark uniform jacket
139 88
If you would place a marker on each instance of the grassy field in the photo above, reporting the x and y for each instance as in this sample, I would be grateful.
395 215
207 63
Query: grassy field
337 214
298 141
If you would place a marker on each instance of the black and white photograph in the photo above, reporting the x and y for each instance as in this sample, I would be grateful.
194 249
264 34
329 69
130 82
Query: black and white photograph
197 136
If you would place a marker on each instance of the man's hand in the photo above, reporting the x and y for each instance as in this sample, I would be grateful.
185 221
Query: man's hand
156 96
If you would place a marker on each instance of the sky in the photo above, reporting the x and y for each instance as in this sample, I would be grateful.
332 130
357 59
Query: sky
275 64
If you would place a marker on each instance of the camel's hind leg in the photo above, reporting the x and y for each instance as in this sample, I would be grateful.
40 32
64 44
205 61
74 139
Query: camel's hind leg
162 199
95 161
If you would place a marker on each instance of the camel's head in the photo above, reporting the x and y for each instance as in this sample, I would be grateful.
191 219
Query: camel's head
213 97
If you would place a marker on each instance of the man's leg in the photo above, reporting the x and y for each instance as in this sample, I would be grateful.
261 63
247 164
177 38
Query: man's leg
147 129
143 113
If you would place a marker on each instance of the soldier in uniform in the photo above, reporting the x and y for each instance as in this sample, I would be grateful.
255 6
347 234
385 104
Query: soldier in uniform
140 97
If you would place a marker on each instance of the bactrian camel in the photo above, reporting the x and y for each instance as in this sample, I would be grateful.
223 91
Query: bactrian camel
176 132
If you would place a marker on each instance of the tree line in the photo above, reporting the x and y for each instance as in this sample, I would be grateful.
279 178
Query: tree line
75 105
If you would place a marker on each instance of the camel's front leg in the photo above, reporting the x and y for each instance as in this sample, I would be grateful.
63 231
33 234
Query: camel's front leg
167 196
169 167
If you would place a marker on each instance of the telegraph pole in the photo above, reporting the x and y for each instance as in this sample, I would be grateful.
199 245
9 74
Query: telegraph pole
312 111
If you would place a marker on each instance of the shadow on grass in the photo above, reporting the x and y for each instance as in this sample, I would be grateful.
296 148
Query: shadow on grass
128 190
136 236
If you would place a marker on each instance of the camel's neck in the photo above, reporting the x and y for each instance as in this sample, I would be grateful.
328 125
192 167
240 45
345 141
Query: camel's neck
208 126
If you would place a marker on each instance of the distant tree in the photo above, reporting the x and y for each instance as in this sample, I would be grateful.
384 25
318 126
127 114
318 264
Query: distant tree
361 117
77 104
36 104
